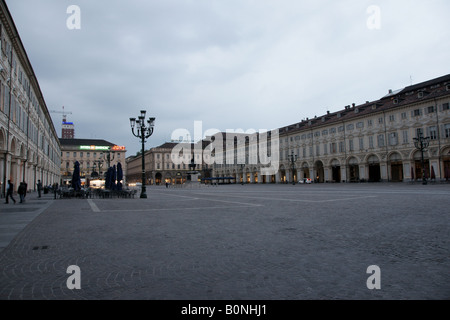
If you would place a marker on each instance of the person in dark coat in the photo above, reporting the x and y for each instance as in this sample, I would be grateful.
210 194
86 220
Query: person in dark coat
39 188
9 192
22 191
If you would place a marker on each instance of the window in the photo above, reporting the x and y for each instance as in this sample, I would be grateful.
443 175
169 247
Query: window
158 156
311 151
403 115
317 134
333 147
393 140
74 154
405 136
350 127
304 152
360 125
325 148
361 143
380 120
430 109
317 150
341 128
341 146
416 112
392 118
446 106
67 154
380 139
350 145
325 132
158 166
88 154
333 130
369 123
447 130
371 142
432 132
419 132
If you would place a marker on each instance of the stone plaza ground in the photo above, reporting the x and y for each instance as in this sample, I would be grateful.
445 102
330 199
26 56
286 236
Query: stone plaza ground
232 242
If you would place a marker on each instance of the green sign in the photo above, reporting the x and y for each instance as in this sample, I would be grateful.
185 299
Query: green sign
95 147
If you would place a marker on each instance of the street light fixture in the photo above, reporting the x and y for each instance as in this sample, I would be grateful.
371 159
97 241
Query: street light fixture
292 160
143 132
421 143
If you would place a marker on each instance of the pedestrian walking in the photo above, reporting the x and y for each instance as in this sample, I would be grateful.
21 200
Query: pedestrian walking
25 187
55 189
39 188
22 191
9 191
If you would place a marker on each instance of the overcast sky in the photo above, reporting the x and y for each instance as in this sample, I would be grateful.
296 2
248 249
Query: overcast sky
232 64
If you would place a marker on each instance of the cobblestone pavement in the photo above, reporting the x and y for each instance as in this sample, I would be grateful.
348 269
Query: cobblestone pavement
251 242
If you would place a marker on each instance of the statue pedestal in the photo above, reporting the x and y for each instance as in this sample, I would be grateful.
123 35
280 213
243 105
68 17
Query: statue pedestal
192 179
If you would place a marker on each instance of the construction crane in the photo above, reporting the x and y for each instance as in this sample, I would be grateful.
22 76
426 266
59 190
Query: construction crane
64 113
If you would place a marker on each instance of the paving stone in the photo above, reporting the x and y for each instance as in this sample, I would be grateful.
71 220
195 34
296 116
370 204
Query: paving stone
251 242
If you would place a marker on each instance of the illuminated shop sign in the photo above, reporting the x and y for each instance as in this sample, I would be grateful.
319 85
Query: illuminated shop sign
104 148
94 147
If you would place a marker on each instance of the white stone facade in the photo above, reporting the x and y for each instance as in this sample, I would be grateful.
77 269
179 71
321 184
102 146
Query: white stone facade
369 142
29 145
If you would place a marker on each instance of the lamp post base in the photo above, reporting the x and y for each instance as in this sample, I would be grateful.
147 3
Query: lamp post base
143 193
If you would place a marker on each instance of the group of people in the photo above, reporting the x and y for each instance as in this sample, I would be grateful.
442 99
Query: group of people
21 191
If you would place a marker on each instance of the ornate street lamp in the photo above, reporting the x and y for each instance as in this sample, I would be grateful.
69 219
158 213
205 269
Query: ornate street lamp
421 143
292 160
143 133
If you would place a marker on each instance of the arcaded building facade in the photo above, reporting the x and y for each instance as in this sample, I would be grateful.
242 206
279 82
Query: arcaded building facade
369 142
160 166
29 145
